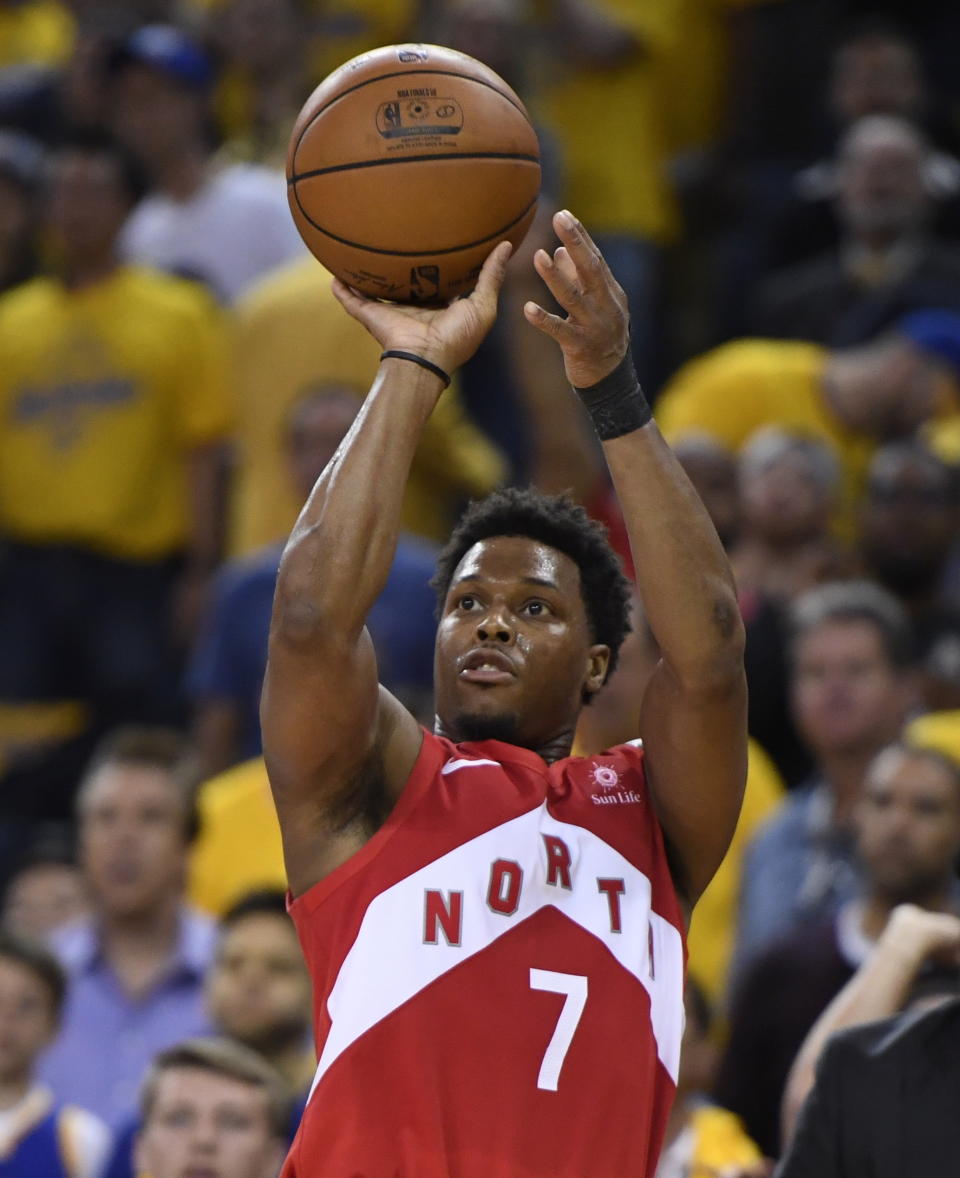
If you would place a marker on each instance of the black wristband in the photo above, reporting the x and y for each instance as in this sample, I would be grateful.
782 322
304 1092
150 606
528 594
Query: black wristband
616 404
396 354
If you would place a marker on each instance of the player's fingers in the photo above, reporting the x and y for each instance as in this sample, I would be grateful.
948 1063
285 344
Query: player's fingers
493 272
590 266
579 231
552 325
559 280
352 302
564 263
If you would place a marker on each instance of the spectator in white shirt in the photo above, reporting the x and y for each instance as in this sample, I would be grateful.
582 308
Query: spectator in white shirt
224 224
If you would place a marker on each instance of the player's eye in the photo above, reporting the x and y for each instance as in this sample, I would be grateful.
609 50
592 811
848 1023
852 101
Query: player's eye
536 608
467 602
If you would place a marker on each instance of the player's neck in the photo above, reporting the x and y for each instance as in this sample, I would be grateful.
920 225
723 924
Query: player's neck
553 748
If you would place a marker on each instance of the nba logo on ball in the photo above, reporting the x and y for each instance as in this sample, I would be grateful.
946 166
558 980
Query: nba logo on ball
407 165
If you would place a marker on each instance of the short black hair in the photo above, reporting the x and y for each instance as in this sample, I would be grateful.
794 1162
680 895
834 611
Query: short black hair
41 963
554 520
262 902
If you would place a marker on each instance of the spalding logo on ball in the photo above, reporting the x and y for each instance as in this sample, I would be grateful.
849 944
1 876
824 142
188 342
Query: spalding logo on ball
407 165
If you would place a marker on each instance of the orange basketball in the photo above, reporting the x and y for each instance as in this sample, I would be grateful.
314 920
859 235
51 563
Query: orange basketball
407 165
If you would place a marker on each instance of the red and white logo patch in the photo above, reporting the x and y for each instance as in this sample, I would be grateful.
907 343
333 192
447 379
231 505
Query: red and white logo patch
606 776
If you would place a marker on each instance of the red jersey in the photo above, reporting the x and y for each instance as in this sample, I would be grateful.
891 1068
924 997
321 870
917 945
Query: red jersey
498 977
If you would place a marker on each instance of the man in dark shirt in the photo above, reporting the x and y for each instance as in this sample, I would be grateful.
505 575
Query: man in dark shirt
907 840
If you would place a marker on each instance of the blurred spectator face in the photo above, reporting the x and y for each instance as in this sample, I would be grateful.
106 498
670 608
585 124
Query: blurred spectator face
786 488
156 117
712 469
909 521
882 189
317 426
204 1125
133 845
87 205
27 1023
876 75
847 697
260 36
258 990
908 825
42 897
896 387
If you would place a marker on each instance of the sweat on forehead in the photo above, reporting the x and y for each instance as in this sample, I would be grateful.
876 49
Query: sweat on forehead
518 558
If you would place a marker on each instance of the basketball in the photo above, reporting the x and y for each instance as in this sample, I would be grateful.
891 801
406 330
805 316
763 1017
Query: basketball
406 166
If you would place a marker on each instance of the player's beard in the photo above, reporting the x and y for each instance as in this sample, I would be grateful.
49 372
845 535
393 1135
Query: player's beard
472 727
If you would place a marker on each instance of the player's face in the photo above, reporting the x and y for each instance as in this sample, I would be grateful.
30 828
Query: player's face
513 653
203 1124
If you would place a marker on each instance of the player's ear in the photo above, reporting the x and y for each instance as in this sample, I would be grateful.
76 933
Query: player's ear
598 660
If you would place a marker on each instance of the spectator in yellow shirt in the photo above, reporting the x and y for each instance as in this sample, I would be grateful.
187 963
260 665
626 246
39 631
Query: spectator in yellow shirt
602 99
37 32
112 414
291 336
851 398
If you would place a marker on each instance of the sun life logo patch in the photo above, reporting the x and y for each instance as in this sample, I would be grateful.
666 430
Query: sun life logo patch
606 776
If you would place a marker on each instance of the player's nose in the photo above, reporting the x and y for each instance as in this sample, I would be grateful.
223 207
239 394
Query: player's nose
495 626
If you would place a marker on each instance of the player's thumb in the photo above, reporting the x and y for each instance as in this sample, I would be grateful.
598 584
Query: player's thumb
492 274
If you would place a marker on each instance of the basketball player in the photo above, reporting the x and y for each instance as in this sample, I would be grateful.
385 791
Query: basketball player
495 930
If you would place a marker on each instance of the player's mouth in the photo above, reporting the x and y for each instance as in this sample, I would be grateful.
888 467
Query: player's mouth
487 666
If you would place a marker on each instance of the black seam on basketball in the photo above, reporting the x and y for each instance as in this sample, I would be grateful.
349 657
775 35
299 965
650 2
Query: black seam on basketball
417 159
404 74
426 253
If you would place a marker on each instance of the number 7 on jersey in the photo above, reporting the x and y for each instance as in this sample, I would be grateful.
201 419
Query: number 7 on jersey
574 986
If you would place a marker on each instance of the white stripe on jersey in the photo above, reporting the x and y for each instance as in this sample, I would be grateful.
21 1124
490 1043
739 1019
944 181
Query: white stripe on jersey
392 928
466 763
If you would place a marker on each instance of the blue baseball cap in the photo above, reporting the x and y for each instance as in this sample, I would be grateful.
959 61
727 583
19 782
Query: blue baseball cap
935 332
167 49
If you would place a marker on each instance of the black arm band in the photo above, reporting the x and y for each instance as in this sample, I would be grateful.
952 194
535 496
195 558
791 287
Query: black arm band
396 354
616 404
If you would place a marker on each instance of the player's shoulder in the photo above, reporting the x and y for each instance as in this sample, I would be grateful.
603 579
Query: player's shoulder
629 753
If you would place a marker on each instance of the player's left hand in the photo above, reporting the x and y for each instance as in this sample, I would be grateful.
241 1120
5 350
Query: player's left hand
595 335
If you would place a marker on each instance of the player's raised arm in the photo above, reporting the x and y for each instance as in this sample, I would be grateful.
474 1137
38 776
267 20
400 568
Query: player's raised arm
339 748
693 715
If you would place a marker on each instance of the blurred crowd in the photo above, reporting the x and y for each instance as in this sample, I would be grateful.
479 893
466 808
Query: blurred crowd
776 184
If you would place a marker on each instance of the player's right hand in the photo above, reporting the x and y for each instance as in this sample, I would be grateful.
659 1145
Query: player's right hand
446 336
